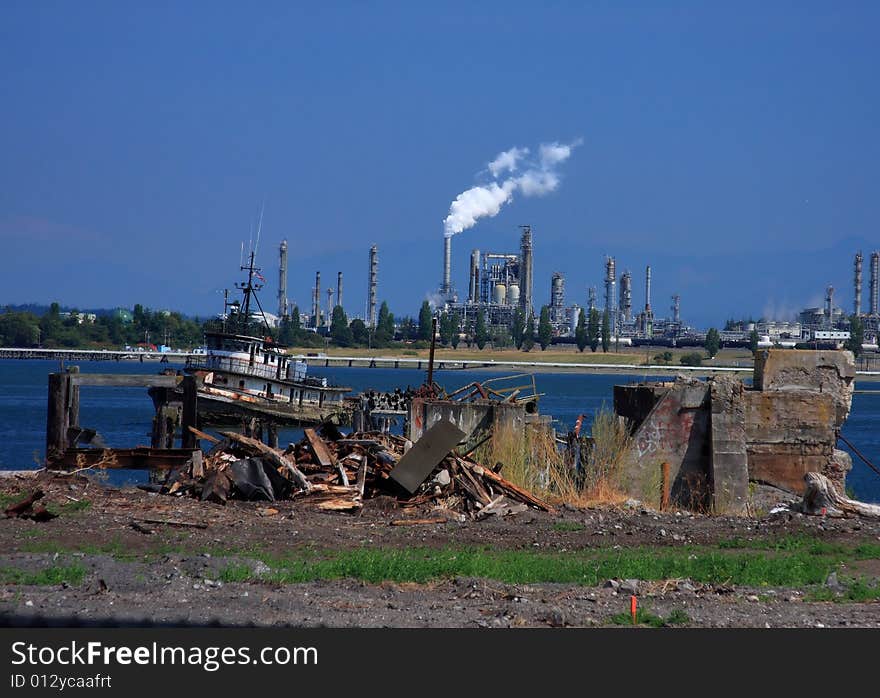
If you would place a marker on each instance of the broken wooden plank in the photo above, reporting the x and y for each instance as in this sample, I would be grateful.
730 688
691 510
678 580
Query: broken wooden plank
511 489
24 505
276 458
419 462
319 448
202 435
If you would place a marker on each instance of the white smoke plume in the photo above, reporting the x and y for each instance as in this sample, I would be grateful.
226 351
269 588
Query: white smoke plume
536 178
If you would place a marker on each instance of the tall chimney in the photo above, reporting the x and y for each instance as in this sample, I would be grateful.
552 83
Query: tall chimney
676 309
282 280
611 293
626 297
339 288
316 300
474 281
371 291
591 298
526 270
446 287
875 283
857 301
829 306
648 289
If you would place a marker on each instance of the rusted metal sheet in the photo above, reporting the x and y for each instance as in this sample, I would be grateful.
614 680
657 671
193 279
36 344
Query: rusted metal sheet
417 463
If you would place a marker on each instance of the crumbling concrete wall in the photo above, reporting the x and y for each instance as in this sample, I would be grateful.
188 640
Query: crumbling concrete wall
722 434
729 462
675 432
798 371
473 418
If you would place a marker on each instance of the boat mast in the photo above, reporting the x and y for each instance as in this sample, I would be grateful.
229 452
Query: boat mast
248 290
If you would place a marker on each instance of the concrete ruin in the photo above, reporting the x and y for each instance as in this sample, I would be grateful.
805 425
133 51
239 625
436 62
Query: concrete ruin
720 435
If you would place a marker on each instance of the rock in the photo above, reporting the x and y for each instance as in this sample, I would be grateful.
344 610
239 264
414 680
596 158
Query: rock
833 583
612 584
752 597
632 504
260 568
442 478
685 585
555 617
629 586
663 533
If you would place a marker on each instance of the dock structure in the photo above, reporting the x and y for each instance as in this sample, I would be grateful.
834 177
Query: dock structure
176 407
93 354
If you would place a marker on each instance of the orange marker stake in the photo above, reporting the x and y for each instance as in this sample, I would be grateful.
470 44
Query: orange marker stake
633 607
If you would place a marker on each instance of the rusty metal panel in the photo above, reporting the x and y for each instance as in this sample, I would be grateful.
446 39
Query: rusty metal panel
426 453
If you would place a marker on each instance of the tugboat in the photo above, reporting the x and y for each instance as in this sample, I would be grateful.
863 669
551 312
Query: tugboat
242 377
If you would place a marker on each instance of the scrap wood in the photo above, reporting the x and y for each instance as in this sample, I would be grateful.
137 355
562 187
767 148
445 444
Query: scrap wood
21 507
276 458
513 490
141 528
202 435
319 448
822 497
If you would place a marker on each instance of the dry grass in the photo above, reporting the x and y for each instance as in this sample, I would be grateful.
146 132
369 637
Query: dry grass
533 460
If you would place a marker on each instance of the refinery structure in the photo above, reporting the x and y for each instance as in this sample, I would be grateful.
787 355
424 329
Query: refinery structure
501 284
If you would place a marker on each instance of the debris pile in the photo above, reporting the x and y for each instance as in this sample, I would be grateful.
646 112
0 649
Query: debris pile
28 508
336 472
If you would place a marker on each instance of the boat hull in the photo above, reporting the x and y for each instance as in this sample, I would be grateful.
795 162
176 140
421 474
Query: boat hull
217 409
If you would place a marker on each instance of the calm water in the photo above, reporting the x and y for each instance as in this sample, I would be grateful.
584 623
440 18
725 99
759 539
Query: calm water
123 415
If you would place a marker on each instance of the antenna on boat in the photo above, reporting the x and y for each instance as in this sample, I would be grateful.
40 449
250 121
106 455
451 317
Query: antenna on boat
260 225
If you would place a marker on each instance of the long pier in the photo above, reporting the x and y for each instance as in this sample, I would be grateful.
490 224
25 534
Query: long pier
92 354
394 362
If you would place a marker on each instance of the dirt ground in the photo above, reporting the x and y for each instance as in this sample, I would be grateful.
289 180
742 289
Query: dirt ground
171 576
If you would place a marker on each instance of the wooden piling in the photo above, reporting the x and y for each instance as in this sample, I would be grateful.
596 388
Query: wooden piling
73 400
189 417
56 416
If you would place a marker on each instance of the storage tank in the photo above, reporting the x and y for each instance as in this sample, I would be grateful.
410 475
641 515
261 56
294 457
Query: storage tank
500 294
513 294
573 325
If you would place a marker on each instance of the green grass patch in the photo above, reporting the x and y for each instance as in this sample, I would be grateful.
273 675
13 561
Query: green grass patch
643 617
72 574
566 526
857 590
590 568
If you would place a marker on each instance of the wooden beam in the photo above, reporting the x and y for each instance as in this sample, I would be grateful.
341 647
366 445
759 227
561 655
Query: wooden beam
125 380
319 448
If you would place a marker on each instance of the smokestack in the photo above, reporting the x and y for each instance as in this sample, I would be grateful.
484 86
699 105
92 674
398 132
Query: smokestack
591 298
446 286
829 306
282 280
648 289
676 309
339 288
610 293
526 270
557 296
875 283
371 291
329 307
857 301
626 297
474 283
316 300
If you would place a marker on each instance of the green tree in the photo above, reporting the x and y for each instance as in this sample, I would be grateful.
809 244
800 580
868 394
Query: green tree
529 335
545 329
753 340
384 326
425 318
448 326
518 328
713 342
340 332
295 322
593 329
501 338
606 331
481 333
856 335
692 359
580 333
359 332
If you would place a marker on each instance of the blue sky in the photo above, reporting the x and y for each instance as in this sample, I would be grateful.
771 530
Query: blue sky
733 146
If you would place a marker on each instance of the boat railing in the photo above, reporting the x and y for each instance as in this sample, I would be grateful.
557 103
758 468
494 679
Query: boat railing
232 365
